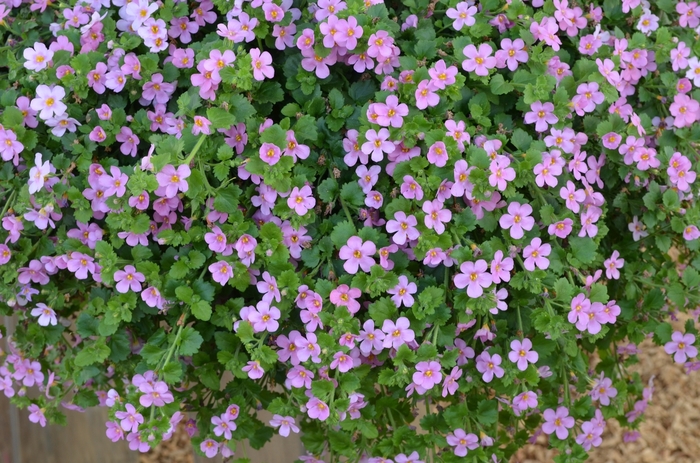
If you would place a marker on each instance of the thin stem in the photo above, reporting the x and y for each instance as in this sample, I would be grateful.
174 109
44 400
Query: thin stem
347 211
171 351
189 158
9 202
520 323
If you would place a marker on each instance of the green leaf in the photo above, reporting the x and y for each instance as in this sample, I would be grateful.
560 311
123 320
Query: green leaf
583 249
328 190
654 300
691 277
521 139
220 118
241 108
662 333
342 233
351 192
428 300
322 389
383 309
499 86
190 341
362 91
275 135
671 200
94 352
487 412
201 310
226 199
564 290
305 129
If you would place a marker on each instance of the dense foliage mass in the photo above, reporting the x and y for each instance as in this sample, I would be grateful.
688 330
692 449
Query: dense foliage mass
411 231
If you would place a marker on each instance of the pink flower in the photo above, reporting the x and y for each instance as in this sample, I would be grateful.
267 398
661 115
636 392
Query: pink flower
559 422
377 144
512 53
572 196
522 353
410 189
479 61
436 216
489 366
221 272
437 154
535 254
637 229
518 219
253 369
285 423
345 296
681 345
541 114
316 409
525 400
48 101
270 153
603 390
613 266
264 318
561 229
114 184
47 316
372 339
460 440
427 374
268 288
36 415
5 254
261 64
38 57
441 75
358 254
342 362
301 201
691 232
426 94
449 385
391 113
397 333
209 447
130 419
474 276
463 15
685 110
404 228
403 292
501 173
501 267
201 125
457 130
171 180
129 279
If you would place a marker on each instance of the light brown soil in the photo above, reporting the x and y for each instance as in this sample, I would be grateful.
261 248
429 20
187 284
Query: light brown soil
669 433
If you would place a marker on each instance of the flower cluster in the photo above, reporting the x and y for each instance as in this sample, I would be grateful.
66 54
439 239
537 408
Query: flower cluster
338 211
